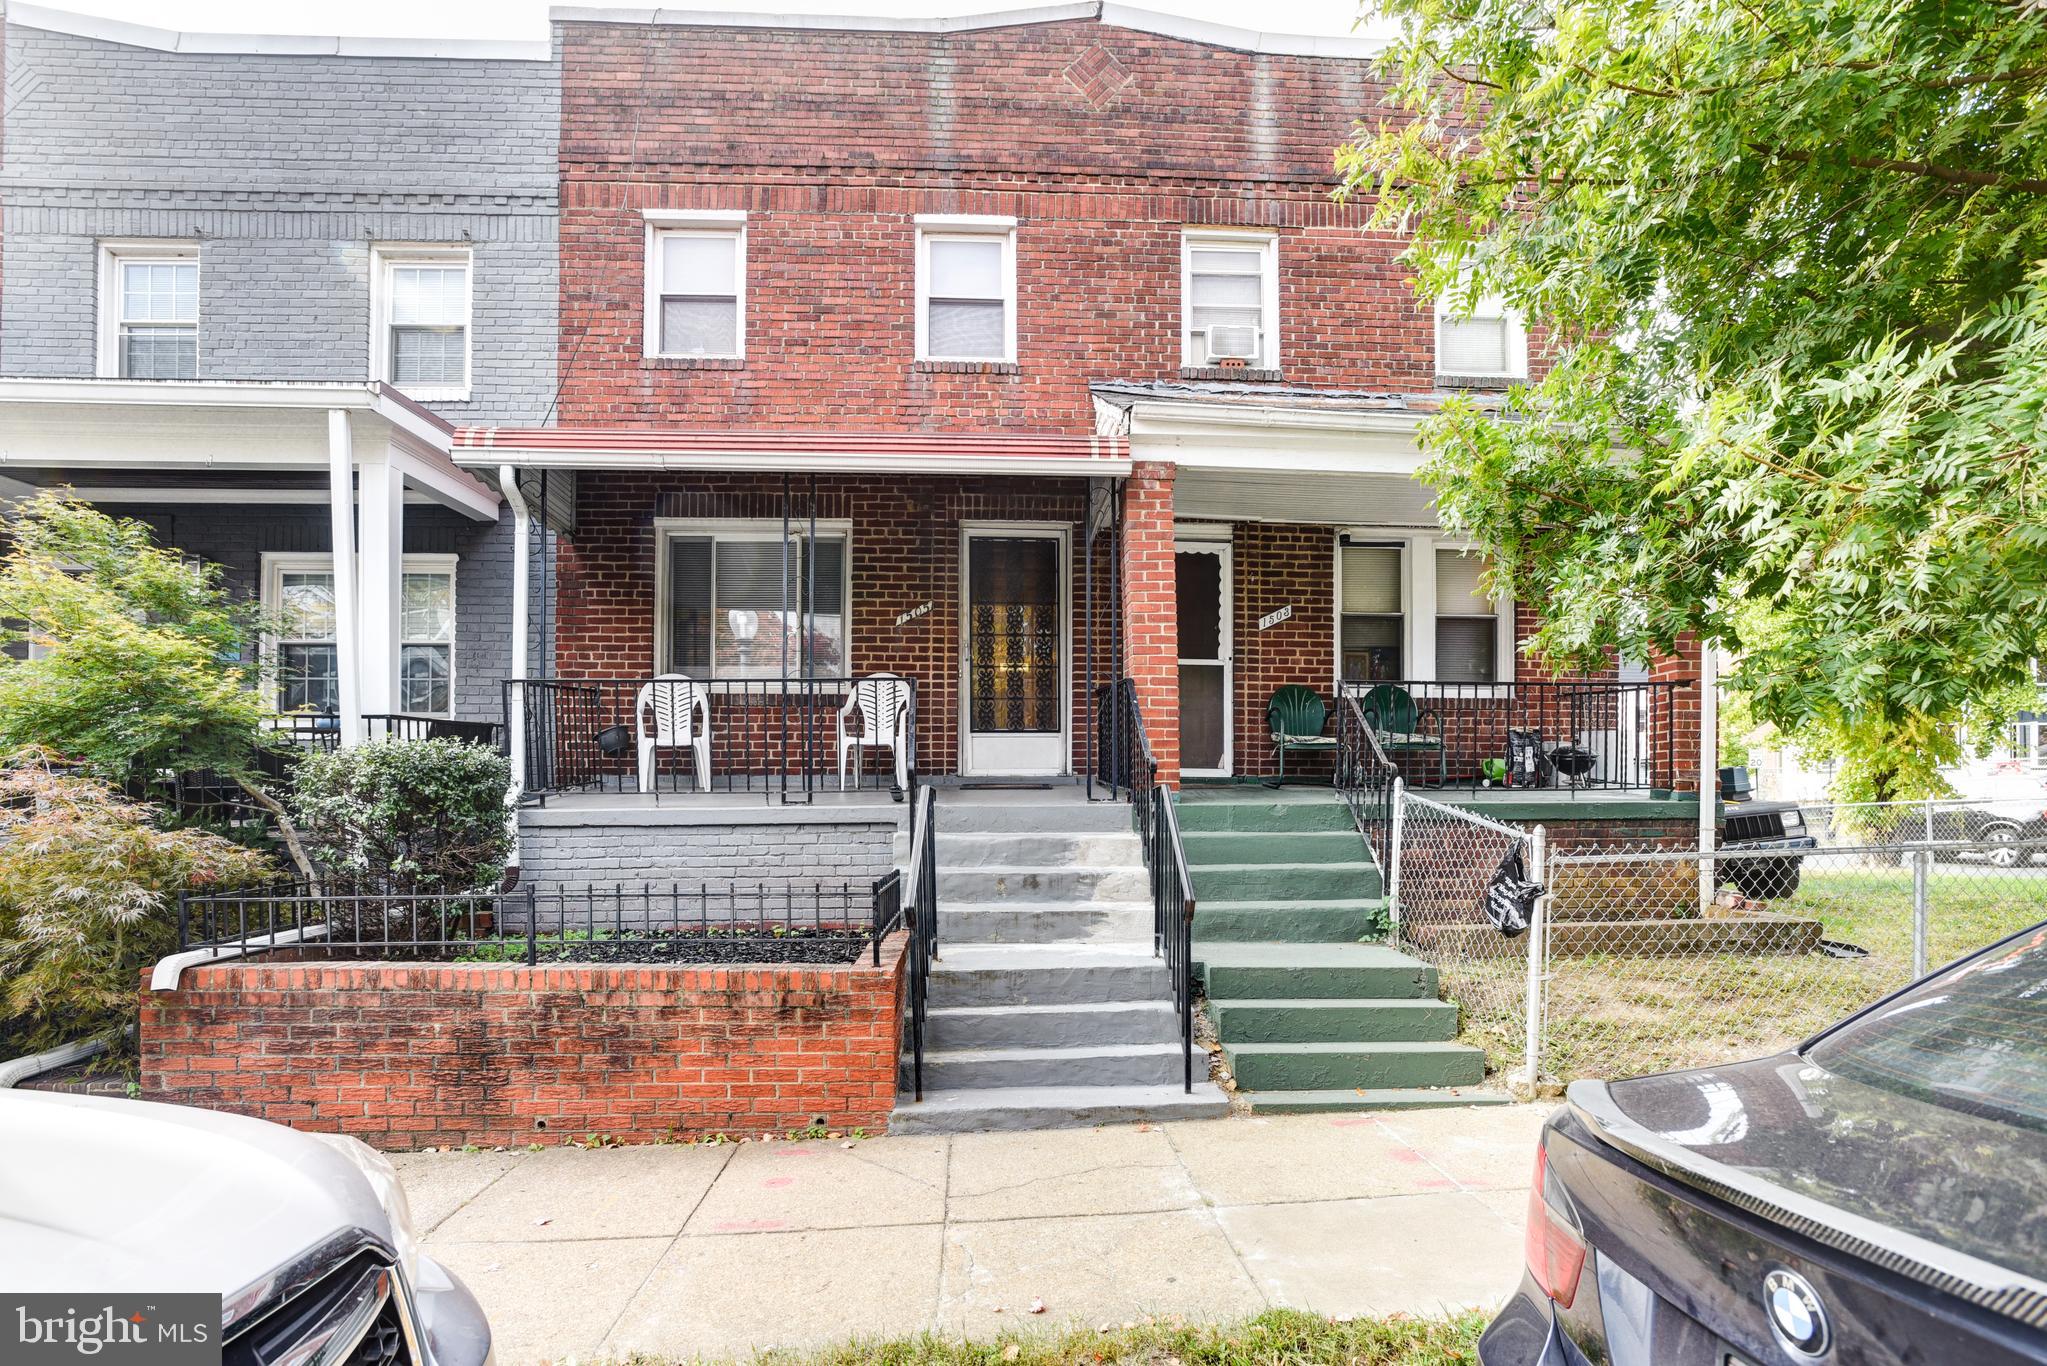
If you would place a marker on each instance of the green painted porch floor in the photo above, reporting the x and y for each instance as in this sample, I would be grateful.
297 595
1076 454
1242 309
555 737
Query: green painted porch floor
1313 1013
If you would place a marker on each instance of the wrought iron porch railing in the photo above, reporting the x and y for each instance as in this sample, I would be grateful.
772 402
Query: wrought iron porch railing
1366 779
1172 902
1571 734
646 923
781 737
918 895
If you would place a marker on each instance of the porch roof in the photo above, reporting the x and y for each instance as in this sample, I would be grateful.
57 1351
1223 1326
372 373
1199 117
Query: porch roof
803 451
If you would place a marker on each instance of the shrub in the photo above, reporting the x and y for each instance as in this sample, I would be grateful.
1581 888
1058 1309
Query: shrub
415 815
88 898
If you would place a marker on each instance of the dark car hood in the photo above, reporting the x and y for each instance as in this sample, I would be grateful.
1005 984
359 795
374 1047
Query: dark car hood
1955 1179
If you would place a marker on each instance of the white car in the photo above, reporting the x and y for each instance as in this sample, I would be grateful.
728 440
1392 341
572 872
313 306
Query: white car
306 1238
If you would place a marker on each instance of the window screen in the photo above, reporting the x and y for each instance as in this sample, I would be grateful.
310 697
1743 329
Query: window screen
1467 633
726 602
967 299
158 322
430 325
1372 626
699 293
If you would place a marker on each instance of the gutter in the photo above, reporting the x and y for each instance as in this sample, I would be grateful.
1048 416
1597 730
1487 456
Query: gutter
164 976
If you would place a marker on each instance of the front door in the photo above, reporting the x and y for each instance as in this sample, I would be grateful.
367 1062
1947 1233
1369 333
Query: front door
1201 581
1013 646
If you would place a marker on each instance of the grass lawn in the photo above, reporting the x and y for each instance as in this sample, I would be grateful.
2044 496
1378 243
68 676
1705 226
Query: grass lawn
1278 1337
1622 1012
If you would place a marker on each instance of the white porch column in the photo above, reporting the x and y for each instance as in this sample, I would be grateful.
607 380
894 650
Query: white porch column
381 496
522 536
341 516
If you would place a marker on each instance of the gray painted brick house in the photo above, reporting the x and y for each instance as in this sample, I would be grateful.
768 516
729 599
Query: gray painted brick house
213 246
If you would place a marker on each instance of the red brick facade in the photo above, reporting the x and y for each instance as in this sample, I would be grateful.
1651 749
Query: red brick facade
833 141
409 1055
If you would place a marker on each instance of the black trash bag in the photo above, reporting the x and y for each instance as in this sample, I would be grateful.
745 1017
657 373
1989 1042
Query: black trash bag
1510 896
1528 763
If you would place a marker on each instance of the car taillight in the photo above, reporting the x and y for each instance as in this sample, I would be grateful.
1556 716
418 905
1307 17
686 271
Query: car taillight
1556 1250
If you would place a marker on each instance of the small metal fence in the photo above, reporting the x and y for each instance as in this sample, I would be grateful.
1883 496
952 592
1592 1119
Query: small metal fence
1574 735
786 738
1657 959
1444 860
824 923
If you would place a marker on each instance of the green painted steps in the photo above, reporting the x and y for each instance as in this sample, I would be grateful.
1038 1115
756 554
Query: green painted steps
1271 971
1274 846
1262 1067
1299 922
1202 811
1281 881
1334 1020
1350 1098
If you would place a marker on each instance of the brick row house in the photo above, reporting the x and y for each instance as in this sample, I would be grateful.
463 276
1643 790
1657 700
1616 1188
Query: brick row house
738 415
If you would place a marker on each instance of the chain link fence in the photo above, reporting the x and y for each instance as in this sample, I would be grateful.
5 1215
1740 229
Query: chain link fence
1657 959
1652 958
1445 859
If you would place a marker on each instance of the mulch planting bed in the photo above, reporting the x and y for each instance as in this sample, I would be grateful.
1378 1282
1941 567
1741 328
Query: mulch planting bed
739 945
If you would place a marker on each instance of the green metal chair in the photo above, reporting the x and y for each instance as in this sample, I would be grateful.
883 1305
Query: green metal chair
1401 725
1296 715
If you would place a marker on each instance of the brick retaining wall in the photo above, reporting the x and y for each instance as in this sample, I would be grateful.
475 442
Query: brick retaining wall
412 1055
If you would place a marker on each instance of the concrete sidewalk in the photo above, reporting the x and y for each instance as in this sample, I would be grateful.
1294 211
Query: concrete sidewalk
721 1251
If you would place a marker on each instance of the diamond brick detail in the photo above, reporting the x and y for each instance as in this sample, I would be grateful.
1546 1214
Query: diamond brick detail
1098 76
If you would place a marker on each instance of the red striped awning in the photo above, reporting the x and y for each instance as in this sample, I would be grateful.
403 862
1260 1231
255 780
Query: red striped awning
628 448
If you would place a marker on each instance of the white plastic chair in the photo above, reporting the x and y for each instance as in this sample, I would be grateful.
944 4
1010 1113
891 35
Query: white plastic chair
673 700
883 702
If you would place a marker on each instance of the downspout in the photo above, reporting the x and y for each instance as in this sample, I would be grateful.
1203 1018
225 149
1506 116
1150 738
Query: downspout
1709 768
515 711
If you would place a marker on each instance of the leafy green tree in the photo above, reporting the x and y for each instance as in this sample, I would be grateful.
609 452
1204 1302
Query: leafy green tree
1791 266
137 661
88 898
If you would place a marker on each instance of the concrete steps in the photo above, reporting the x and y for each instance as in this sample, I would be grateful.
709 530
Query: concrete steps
1310 1018
1047 1004
1299 922
1055 1107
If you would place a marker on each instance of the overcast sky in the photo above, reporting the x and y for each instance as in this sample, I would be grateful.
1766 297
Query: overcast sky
528 18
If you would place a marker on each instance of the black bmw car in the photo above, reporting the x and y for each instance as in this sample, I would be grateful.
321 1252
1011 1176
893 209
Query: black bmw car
1877 1196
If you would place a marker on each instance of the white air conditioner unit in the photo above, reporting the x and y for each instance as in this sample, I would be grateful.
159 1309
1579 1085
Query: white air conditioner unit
1232 343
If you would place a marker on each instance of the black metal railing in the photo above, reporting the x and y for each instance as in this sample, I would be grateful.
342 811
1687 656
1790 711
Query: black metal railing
823 923
1365 776
919 899
783 737
1577 734
1172 903
322 730
1124 766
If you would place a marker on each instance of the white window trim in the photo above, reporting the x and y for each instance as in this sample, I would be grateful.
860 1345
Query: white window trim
691 222
276 564
390 255
1268 299
107 362
1488 306
966 227
1418 602
739 529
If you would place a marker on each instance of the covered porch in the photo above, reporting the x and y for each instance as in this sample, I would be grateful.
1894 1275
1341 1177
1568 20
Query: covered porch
266 479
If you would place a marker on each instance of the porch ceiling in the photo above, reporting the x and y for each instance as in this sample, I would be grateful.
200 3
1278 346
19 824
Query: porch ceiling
1302 496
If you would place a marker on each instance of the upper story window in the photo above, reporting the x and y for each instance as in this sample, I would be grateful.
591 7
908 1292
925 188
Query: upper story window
966 288
1229 292
149 311
422 321
1480 339
696 285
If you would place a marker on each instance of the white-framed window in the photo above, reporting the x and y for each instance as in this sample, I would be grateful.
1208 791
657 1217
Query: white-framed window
149 310
303 671
696 285
420 311
1479 339
966 288
1229 294
1410 606
732 601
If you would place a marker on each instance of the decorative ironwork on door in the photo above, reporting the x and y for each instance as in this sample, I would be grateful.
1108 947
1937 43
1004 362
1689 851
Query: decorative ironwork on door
1013 634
